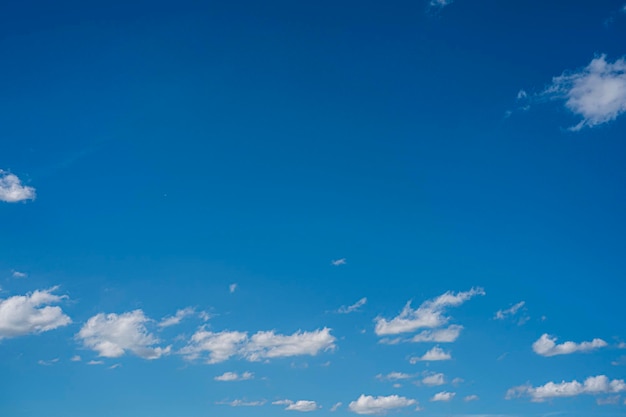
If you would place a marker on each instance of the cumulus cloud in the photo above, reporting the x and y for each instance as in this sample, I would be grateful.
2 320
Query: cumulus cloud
242 403
434 380
31 313
594 385
12 190
177 318
338 262
443 396
369 405
234 376
261 345
430 314
434 354
447 335
352 308
301 405
546 346
596 93
113 335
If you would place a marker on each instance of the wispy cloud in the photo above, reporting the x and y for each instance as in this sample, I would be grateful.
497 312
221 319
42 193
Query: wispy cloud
338 262
434 380
233 376
48 363
300 405
593 385
352 308
393 376
242 403
232 287
12 190
443 396
546 346
177 318
336 406
447 335
472 397
18 274
370 405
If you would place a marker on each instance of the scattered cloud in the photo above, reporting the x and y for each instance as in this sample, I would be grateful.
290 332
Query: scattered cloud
440 3
48 363
95 363
75 358
301 405
113 335
447 335
434 380
593 385
393 376
369 405
443 396
115 366
352 308
177 318
472 397
546 346
502 314
262 345
613 399
31 313
242 403
521 94
430 314
596 93
336 406
18 274
434 354
338 262
12 190
232 287
233 376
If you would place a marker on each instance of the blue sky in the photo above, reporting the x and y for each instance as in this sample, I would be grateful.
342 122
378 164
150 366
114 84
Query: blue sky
342 208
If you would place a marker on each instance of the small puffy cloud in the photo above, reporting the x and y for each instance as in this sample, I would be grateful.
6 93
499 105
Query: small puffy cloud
447 335
472 397
232 287
594 385
177 318
18 274
336 406
261 345
434 380
434 354
242 403
31 313
443 396
338 262
233 376
369 405
301 405
352 308
393 376
430 314
12 190
546 346
113 335
596 93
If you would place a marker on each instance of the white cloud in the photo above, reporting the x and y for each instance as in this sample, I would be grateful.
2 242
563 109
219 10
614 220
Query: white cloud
597 92
352 308
593 385
546 346
521 94
75 358
434 380
472 397
502 314
338 262
367 404
430 314
177 318
115 366
242 403
12 190
434 354
232 287
444 396
113 335
233 376
48 363
18 274
301 405
447 335
613 399
31 313
336 406
393 376
95 363
262 345
440 3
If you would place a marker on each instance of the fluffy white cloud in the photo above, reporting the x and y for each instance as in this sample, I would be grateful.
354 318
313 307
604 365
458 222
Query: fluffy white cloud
367 404
234 376
434 354
546 346
434 380
430 314
31 313
447 335
12 190
352 308
593 385
472 397
261 345
444 396
597 92
177 318
301 405
112 335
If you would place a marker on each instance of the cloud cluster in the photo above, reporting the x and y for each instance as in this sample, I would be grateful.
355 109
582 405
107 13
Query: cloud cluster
113 335
12 190
223 345
593 385
234 376
597 93
31 313
546 346
369 405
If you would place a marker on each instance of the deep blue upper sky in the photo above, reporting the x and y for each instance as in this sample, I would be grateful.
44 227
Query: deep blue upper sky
177 148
